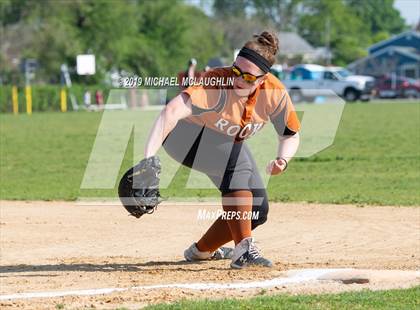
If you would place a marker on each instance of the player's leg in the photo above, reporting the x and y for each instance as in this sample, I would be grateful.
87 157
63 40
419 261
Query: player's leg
225 228
260 204
238 199
260 207
234 185
236 202
241 171
219 156
218 233
182 145
245 252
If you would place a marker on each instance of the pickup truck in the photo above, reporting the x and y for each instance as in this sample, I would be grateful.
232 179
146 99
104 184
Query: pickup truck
306 82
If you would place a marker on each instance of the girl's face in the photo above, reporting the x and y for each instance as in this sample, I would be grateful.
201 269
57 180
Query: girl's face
241 87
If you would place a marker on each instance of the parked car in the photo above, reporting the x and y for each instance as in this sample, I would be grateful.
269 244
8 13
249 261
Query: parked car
305 82
397 87
277 71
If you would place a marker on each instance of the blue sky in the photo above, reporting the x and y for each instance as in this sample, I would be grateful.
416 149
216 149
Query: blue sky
409 9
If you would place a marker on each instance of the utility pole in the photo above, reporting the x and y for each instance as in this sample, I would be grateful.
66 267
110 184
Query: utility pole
327 40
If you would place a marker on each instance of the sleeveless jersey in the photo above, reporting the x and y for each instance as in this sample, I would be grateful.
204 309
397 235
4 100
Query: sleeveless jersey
220 109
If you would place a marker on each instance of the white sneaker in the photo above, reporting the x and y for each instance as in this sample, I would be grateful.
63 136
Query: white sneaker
193 253
246 253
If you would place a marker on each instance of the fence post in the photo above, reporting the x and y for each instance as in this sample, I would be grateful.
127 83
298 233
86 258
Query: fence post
63 100
28 94
15 100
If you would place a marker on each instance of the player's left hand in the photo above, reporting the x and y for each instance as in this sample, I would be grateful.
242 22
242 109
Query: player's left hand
276 166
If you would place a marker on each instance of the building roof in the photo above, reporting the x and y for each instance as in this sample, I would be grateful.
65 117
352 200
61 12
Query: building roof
406 51
322 53
292 43
393 38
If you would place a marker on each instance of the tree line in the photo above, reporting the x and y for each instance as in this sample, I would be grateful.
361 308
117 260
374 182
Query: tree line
157 37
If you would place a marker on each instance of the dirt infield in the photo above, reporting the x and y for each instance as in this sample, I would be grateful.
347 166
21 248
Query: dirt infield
62 246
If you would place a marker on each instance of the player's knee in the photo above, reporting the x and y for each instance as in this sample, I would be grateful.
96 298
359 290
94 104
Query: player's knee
260 211
259 221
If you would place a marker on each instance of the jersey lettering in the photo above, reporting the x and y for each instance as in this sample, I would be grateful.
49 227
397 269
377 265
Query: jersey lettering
232 130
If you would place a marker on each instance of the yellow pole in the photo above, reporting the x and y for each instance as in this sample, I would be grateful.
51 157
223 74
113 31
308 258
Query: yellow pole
63 100
15 100
28 94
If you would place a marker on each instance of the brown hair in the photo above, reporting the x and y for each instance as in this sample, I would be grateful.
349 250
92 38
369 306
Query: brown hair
266 44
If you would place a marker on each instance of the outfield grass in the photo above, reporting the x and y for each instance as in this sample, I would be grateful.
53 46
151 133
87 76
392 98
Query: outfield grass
391 299
375 159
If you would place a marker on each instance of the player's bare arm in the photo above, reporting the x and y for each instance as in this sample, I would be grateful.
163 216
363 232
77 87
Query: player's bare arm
178 108
287 148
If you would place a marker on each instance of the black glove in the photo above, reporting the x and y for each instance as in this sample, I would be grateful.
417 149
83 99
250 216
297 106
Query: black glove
139 187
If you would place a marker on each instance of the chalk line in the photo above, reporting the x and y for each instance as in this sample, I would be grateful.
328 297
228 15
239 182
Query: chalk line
297 276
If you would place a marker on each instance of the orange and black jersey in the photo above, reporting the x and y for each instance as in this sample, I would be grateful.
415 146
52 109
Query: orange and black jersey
220 109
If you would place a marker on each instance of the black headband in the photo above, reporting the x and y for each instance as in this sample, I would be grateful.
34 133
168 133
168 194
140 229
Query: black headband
256 58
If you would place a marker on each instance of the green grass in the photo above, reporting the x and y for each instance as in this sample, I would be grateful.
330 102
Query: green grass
392 299
43 156
374 159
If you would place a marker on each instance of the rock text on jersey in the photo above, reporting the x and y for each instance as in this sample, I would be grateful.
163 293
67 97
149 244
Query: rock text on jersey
232 130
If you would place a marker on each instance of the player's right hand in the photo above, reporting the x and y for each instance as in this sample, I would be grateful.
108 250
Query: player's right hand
276 166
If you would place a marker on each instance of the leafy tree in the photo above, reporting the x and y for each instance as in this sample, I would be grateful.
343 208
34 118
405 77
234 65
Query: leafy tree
236 31
158 37
103 26
353 24
283 14
228 9
28 35
347 34
142 37
166 41
13 11
379 16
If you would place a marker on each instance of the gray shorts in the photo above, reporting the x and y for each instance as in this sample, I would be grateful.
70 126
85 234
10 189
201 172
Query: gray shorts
228 164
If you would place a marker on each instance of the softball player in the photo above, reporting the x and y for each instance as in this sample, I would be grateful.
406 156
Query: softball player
204 128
